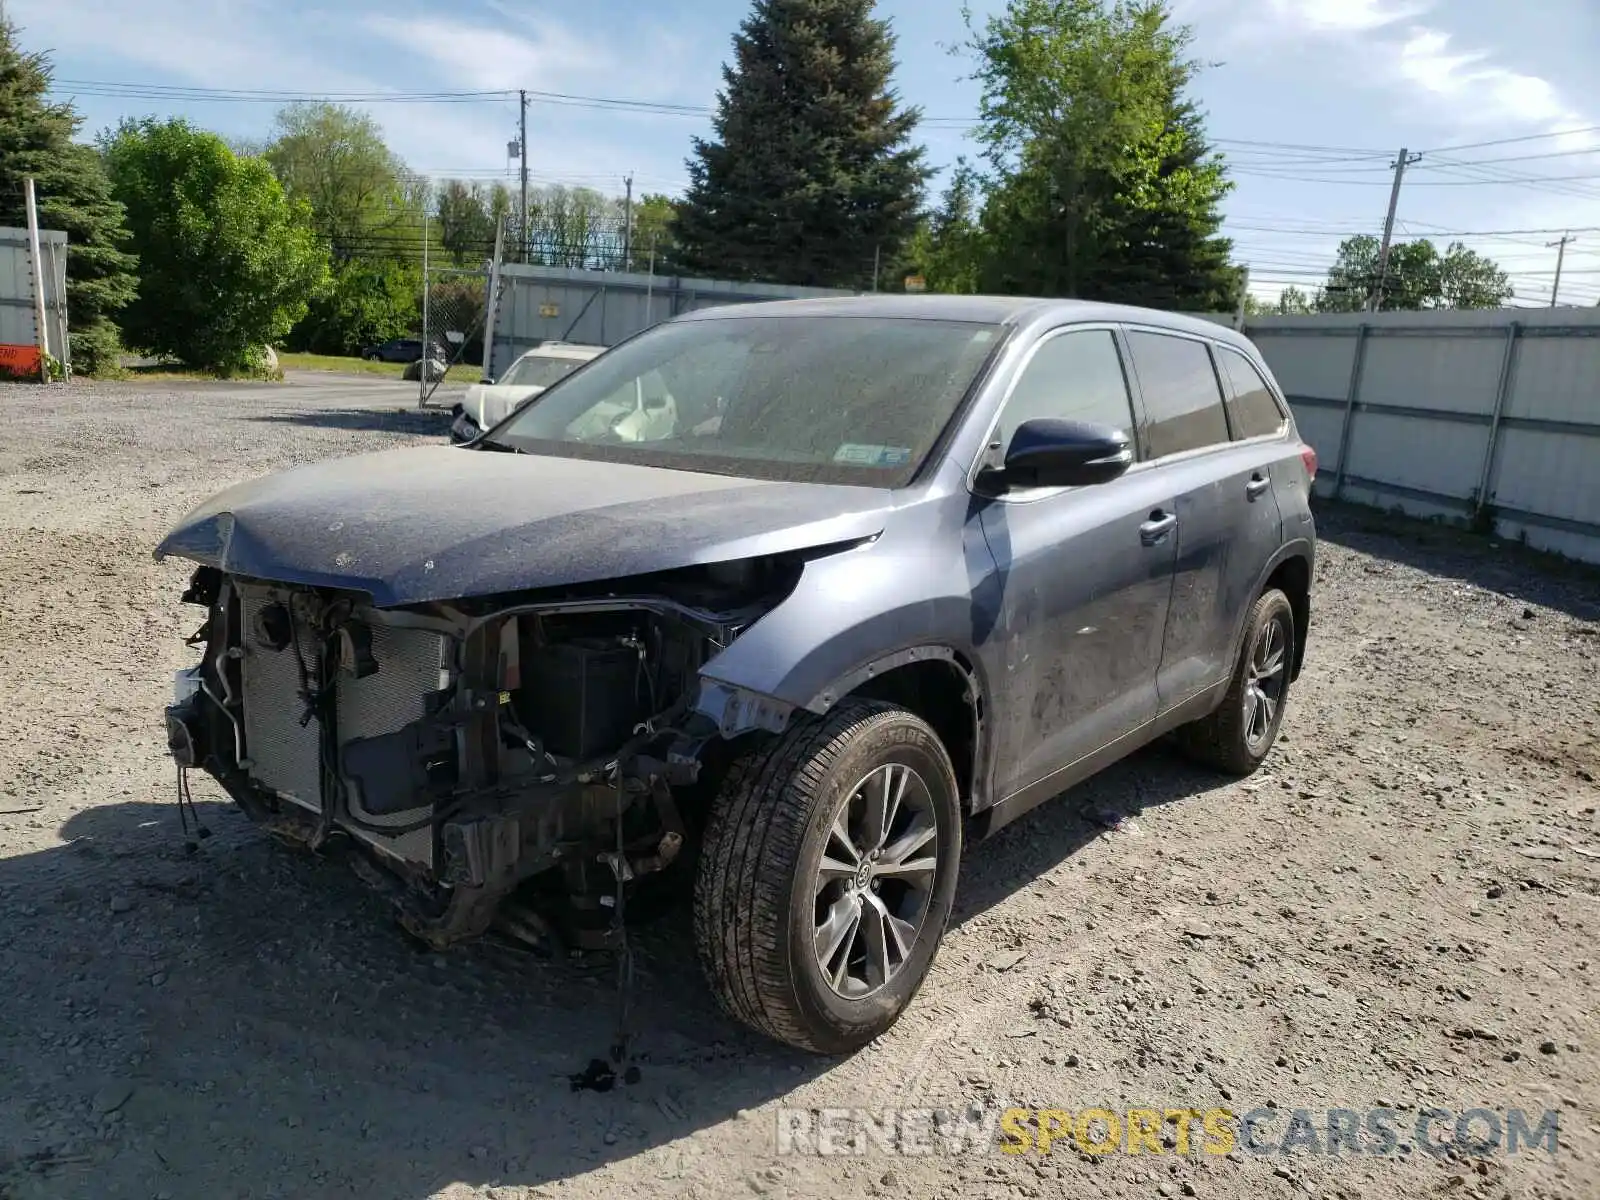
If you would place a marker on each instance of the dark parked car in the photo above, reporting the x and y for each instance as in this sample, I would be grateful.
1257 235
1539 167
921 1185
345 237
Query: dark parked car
884 564
402 350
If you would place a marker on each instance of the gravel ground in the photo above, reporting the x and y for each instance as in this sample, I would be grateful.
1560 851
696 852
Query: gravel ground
1401 908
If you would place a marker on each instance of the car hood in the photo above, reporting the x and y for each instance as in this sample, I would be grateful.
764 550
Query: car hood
439 523
490 403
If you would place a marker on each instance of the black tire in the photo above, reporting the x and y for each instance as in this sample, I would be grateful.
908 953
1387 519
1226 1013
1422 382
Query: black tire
757 896
1234 738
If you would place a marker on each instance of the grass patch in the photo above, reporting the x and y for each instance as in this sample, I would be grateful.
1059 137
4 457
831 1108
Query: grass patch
459 372
173 372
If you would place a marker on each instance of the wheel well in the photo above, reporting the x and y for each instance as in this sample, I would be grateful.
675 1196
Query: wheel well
1293 578
937 691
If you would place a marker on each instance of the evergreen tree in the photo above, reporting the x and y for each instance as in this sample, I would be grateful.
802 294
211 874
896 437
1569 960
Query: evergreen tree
811 177
948 248
73 194
1168 252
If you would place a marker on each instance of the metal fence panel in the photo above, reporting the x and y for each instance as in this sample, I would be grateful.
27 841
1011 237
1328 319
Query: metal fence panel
544 304
16 289
1444 373
1489 416
1313 367
1558 379
1386 447
1555 474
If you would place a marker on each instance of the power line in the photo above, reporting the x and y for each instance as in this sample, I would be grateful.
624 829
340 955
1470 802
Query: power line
1511 141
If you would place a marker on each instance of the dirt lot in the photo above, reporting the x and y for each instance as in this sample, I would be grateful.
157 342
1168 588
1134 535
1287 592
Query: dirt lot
1401 909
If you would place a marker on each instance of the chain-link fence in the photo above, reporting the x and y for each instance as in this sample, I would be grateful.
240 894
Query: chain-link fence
455 307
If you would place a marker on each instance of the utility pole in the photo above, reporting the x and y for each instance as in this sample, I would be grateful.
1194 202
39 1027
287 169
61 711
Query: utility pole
1561 258
36 262
1375 302
627 226
522 147
427 344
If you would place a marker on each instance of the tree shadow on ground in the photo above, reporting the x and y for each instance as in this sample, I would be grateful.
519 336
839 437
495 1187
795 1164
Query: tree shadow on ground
245 1020
1496 564
413 422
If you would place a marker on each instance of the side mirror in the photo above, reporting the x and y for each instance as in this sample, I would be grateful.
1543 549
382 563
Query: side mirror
1051 453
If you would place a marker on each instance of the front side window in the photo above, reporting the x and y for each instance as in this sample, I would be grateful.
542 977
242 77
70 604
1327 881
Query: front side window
1073 376
1182 401
1252 409
840 399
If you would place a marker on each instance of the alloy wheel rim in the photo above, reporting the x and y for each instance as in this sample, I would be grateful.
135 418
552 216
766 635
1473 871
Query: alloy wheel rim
1263 693
874 884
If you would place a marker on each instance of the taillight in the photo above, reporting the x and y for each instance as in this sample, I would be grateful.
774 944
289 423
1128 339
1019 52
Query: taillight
1309 457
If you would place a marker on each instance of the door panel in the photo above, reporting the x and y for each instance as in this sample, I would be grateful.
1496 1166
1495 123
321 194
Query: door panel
1083 585
1228 529
1083 603
1228 521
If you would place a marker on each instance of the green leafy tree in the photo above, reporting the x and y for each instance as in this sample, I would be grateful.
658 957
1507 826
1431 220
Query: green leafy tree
466 221
655 233
1293 301
1469 280
367 300
948 249
1103 184
228 261
811 176
1417 277
73 195
362 199
573 226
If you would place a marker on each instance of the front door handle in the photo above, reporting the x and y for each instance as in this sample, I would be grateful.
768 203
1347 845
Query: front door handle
1157 527
1258 484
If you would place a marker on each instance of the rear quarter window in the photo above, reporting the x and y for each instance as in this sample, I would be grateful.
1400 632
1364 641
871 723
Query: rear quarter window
1182 401
1252 408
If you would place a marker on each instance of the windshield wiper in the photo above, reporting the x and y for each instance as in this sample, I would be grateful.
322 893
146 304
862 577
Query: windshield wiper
484 443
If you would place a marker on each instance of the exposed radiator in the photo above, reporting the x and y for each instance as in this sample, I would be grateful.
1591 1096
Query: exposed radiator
411 664
283 754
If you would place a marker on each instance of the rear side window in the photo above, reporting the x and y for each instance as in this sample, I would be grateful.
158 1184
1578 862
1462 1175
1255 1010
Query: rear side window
1181 398
1251 407
1071 377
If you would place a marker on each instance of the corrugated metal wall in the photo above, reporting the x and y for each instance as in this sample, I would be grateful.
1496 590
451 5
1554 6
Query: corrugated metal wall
1492 418
602 308
16 289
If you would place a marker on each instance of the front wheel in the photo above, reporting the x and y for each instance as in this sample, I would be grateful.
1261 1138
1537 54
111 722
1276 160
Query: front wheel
1237 736
827 874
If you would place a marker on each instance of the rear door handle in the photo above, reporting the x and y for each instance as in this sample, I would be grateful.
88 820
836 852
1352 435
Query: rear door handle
1258 484
1157 527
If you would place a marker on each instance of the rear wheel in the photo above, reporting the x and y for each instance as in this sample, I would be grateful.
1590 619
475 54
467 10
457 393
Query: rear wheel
826 876
1237 736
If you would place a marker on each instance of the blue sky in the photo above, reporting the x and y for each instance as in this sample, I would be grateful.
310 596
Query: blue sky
1351 80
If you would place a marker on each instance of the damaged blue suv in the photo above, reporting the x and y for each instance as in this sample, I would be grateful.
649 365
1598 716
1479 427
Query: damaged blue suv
782 600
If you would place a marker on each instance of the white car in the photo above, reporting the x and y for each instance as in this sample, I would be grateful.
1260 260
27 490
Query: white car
487 404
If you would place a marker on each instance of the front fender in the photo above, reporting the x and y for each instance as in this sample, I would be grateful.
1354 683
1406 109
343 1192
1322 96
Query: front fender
905 595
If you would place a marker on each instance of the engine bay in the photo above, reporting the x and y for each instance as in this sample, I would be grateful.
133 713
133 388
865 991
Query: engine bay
467 747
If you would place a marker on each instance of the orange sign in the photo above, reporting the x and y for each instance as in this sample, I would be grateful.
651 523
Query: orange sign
20 362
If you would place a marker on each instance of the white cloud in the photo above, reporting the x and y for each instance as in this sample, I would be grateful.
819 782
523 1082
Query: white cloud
486 58
1342 16
1477 89
365 49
